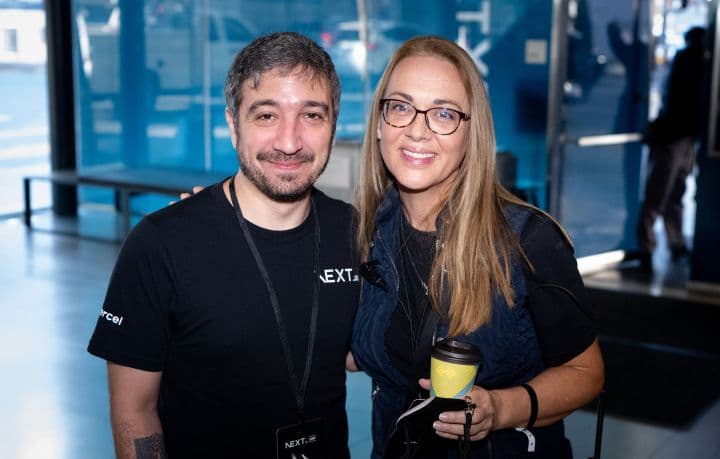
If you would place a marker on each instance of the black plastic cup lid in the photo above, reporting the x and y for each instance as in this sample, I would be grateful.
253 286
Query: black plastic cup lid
454 351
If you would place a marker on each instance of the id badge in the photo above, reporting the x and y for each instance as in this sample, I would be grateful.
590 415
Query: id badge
301 441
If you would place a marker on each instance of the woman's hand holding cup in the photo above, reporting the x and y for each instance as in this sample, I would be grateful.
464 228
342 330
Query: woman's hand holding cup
453 368
451 424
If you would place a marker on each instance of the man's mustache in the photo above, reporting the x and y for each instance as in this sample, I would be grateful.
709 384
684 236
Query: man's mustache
279 157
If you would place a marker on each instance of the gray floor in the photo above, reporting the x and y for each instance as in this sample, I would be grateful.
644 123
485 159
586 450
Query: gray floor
54 403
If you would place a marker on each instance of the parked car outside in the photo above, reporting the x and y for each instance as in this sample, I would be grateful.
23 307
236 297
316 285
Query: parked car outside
174 53
359 66
383 38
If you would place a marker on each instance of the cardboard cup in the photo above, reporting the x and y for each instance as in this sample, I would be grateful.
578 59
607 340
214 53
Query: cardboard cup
453 367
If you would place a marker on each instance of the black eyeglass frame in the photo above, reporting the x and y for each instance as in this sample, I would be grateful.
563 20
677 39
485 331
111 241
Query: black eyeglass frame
383 104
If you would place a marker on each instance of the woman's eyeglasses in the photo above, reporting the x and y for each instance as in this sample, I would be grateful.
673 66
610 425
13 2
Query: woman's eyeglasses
440 120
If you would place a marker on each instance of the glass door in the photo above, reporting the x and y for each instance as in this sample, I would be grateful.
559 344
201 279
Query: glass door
599 99
611 65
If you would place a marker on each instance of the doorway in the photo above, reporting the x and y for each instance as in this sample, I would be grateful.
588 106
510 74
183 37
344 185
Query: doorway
613 59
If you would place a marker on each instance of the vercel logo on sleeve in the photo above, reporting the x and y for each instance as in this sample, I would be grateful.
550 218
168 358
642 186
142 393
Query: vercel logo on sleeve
117 320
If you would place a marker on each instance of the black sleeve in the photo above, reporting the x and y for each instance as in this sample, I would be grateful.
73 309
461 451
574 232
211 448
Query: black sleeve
133 325
563 317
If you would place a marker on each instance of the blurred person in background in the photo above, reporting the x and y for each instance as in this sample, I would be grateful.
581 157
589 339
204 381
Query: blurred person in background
671 138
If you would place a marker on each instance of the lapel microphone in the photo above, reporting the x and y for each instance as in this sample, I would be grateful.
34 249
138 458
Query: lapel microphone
369 272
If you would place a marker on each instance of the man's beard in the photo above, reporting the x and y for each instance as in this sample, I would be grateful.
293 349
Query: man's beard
284 187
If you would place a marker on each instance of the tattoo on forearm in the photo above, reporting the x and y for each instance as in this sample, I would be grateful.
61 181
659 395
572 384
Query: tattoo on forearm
152 447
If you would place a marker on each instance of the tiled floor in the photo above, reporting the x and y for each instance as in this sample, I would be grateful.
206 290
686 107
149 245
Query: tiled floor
53 402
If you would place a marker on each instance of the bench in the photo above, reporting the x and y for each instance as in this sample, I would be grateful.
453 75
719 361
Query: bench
125 182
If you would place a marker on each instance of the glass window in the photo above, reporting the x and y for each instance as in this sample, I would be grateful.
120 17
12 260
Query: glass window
400 33
10 40
213 31
347 34
179 71
97 13
24 139
235 31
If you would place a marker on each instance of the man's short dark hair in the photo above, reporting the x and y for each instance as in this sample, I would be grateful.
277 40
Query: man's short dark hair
284 51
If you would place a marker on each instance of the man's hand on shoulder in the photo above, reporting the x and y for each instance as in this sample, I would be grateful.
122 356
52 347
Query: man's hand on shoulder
195 190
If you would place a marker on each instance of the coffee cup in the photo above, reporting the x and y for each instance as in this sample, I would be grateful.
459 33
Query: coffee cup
453 367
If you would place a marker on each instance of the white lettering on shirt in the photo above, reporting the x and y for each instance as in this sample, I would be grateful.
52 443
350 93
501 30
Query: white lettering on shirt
337 275
117 320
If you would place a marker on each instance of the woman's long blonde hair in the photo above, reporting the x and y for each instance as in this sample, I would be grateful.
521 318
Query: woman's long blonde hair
478 246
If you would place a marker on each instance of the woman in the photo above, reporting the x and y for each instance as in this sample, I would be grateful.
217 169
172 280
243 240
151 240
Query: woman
448 252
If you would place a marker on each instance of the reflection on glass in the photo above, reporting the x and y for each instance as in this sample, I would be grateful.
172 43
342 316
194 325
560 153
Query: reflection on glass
150 73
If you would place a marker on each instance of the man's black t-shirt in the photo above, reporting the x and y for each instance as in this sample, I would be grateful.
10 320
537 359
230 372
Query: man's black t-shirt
186 298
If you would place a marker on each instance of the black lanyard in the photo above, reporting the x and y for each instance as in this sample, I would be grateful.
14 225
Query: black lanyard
298 388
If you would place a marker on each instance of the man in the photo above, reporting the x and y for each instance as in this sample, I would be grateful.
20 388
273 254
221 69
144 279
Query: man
671 138
228 315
